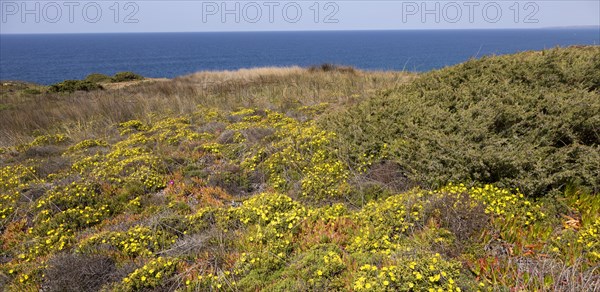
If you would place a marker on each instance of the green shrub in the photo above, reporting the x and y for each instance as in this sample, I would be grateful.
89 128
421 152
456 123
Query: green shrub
98 78
528 120
32 91
152 275
126 76
317 269
71 86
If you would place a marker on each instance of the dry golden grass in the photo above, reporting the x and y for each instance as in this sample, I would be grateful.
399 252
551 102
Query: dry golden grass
119 85
92 114
242 74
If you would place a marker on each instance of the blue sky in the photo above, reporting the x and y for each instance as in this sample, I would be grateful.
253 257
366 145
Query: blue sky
230 15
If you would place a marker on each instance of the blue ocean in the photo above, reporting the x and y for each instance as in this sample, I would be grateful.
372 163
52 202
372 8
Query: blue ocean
51 58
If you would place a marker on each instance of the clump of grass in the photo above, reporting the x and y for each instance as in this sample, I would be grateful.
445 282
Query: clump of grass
327 67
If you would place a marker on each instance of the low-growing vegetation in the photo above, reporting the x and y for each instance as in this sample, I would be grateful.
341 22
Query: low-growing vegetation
126 76
98 78
71 86
529 121
94 81
291 183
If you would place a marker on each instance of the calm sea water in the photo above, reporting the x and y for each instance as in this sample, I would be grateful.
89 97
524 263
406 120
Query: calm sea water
47 59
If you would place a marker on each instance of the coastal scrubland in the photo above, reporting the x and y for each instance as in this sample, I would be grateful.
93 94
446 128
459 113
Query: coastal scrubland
482 176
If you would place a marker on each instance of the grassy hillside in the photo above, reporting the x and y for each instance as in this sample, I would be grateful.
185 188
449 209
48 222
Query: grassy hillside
32 110
482 176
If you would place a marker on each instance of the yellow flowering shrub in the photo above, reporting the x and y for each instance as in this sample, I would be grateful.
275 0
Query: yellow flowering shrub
384 222
53 239
501 202
332 212
210 216
210 282
270 209
303 154
422 272
590 238
124 164
85 144
44 140
272 220
244 112
174 131
132 126
77 206
214 148
78 217
137 241
151 275
318 269
12 180
72 195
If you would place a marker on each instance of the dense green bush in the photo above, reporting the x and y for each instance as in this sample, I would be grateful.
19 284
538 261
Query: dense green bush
91 82
98 78
74 85
126 76
529 120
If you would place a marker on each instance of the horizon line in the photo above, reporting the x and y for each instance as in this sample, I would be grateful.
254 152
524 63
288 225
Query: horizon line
593 26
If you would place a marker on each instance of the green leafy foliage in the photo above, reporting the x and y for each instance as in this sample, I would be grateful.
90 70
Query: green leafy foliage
71 86
126 76
97 78
529 121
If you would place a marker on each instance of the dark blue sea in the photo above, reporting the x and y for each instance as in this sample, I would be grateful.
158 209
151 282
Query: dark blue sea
52 58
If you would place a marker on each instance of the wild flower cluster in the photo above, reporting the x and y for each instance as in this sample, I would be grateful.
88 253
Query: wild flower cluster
77 205
298 152
151 275
137 241
590 238
303 153
55 239
124 165
86 144
13 179
385 222
174 131
502 203
132 126
49 139
425 272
